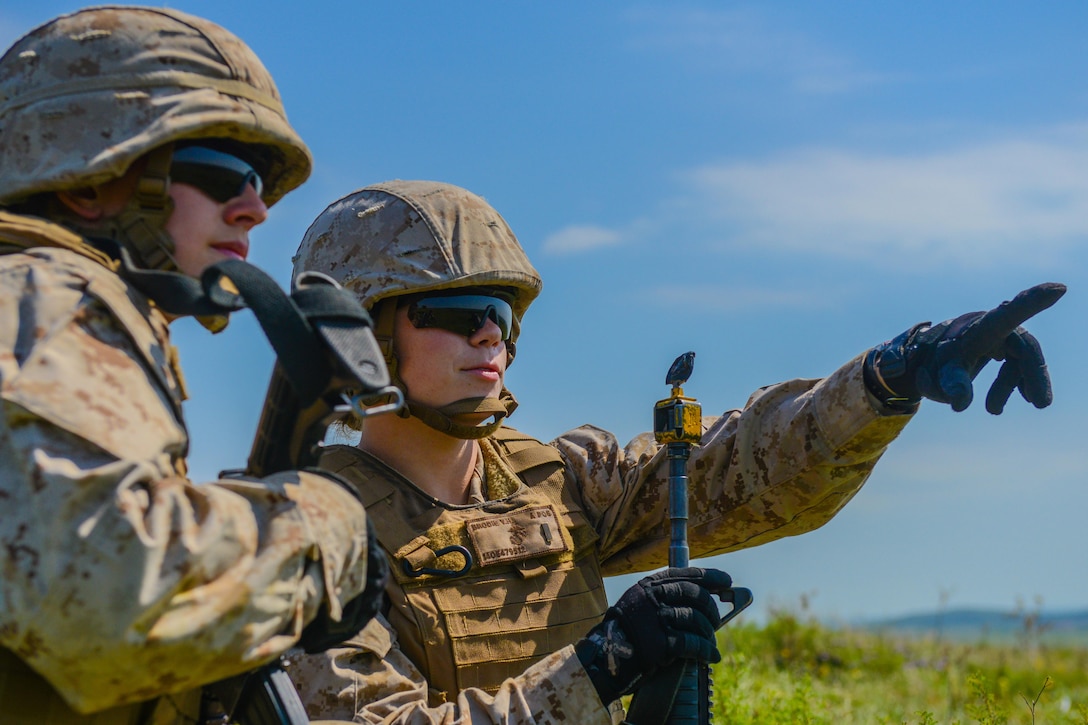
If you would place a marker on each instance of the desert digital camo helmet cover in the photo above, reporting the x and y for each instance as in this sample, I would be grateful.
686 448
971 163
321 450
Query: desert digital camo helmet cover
86 94
406 237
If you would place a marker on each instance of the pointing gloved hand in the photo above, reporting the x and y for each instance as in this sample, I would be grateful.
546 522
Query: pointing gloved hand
940 362
323 633
666 616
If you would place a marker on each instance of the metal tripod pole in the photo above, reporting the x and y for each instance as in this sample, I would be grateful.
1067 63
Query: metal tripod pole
691 705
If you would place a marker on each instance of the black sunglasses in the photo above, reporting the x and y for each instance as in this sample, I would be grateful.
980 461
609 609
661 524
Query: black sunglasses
462 314
220 175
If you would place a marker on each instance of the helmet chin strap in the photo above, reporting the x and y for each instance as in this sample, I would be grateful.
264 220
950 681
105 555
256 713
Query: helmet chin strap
140 229
141 225
444 419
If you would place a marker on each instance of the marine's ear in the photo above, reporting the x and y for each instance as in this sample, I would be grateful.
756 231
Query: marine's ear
85 202
105 200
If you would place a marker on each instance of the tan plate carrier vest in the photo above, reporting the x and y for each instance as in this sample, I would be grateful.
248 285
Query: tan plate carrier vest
535 582
26 698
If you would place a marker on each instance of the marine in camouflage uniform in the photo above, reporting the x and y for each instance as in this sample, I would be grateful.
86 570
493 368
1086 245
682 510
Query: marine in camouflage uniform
125 587
498 569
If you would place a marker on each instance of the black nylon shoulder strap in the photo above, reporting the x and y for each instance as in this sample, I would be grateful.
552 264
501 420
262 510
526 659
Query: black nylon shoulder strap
301 328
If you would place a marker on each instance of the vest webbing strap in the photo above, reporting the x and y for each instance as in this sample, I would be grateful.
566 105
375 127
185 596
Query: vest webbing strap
394 533
419 549
524 453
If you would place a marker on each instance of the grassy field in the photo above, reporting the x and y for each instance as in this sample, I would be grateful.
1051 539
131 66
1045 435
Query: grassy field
793 670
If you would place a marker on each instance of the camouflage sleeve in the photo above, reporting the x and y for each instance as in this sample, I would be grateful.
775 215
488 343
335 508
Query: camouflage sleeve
783 465
121 579
370 680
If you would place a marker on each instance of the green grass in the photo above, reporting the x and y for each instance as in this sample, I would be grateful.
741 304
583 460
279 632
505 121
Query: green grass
796 671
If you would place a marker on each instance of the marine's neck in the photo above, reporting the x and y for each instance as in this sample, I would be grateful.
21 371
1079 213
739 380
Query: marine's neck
439 464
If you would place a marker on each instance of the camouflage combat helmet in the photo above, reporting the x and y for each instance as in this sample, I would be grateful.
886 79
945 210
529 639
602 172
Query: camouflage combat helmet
406 237
88 93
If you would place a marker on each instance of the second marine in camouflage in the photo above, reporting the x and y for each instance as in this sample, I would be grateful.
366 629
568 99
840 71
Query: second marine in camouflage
499 543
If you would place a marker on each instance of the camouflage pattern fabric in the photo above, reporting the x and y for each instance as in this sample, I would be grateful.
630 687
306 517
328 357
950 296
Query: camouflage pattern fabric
359 683
533 585
402 237
86 94
783 465
121 579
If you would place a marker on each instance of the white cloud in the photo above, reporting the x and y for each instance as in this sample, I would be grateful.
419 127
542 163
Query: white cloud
1014 200
994 200
745 40
580 238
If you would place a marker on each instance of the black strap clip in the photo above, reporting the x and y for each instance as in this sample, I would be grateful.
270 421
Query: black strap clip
455 549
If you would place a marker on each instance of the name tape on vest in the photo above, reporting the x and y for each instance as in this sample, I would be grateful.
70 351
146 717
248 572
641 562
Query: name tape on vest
525 534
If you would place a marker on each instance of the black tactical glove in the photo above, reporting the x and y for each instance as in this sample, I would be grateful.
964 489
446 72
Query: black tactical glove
940 362
667 616
323 633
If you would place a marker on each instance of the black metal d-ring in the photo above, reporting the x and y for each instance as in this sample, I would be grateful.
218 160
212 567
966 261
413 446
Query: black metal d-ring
455 549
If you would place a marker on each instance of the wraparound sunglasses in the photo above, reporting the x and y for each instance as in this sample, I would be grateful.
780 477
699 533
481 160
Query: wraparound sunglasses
462 314
220 175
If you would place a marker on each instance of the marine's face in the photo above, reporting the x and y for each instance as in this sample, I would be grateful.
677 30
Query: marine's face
440 367
216 202
206 231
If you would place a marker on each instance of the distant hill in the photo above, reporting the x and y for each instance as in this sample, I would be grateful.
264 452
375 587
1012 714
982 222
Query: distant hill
974 623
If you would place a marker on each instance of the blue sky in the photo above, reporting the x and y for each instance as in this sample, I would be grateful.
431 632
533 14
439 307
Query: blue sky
777 186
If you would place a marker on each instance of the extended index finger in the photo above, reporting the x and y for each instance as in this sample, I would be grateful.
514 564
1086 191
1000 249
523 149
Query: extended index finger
994 326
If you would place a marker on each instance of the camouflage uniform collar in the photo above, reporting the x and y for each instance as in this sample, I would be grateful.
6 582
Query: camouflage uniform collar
26 232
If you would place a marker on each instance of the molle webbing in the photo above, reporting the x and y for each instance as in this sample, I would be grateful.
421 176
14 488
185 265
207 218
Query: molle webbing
498 627
531 460
422 553
492 622
419 550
